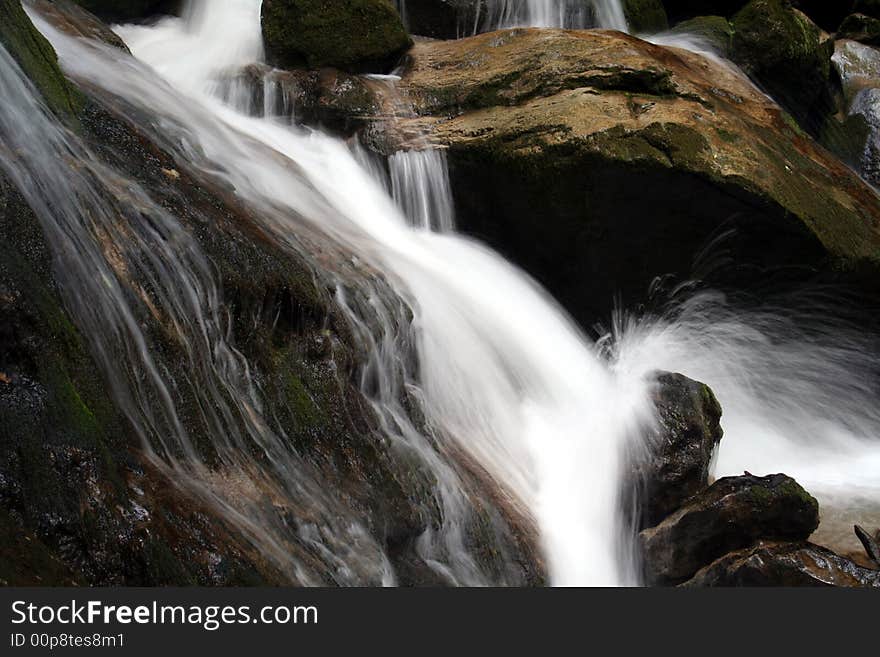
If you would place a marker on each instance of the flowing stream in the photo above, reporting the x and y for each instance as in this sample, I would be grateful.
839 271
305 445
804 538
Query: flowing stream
503 374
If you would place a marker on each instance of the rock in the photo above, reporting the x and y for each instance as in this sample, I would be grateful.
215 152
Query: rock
442 19
714 30
37 59
120 11
772 563
787 55
68 17
645 16
859 27
681 451
548 131
870 543
731 514
358 36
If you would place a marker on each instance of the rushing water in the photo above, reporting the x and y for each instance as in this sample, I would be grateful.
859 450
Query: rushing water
503 374
571 14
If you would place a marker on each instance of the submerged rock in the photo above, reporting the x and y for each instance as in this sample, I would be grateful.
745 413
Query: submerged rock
549 133
360 36
681 451
772 563
729 515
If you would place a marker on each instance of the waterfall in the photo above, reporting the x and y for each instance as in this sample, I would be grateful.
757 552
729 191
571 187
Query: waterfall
503 377
570 14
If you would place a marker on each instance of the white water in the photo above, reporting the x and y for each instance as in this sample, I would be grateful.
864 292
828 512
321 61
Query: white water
569 14
503 374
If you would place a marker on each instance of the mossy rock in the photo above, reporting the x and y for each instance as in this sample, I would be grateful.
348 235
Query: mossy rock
358 36
860 27
129 10
37 59
645 16
785 53
715 30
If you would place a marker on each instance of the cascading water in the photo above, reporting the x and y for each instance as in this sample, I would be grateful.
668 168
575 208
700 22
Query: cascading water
569 14
503 377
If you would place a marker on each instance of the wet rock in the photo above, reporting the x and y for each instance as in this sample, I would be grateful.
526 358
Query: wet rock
72 19
870 543
772 563
729 515
547 131
786 54
681 452
360 36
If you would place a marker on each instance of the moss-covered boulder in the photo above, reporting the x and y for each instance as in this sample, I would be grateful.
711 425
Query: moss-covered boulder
645 16
731 514
353 35
37 59
859 27
129 10
549 134
786 54
716 31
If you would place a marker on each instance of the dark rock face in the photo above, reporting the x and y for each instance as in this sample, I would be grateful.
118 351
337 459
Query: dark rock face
870 543
729 515
129 10
785 53
784 564
681 451
359 36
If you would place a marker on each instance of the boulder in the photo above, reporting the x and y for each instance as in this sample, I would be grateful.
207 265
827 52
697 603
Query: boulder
120 11
37 59
787 55
645 16
681 449
361 36
729 515
870 543
548 132
859 27
771 563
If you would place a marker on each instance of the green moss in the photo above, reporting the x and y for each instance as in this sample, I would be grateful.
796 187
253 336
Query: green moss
37 59
353 35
